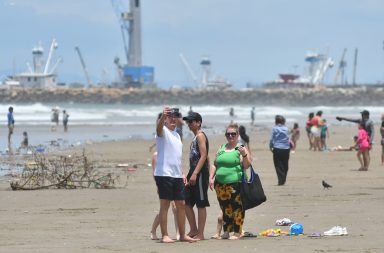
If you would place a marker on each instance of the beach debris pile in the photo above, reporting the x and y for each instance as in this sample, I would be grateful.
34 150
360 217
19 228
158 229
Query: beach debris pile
62 172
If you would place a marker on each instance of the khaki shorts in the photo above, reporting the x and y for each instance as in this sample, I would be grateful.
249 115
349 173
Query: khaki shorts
10 128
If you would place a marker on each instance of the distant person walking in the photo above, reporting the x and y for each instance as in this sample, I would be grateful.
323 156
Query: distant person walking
295 135
253 115
279 145
231 112
55 118
190 109
11 126
382 139
65 120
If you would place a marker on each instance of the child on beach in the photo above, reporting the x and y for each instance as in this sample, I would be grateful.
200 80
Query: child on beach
324 134
363 144
24 142
295 135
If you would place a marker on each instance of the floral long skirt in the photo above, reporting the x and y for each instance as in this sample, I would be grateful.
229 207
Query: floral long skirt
229 199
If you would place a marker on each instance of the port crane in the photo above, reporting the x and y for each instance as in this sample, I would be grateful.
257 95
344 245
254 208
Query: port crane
84 66
133 73
189 69
341 68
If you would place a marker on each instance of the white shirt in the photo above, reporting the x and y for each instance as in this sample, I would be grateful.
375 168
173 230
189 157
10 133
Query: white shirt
169 153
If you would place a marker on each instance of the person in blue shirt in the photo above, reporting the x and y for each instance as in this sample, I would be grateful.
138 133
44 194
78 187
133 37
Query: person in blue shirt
11 125
279 145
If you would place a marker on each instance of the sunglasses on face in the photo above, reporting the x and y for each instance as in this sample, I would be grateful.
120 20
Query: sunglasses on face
230 134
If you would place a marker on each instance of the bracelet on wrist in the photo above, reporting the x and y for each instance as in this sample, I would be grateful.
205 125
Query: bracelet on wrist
245 155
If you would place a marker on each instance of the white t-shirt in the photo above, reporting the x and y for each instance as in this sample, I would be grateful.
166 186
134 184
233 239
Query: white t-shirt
169 153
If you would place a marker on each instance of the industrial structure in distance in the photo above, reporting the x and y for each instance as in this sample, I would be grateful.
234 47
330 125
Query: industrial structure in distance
133 73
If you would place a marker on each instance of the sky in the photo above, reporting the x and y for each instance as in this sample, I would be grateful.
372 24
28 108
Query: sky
247 41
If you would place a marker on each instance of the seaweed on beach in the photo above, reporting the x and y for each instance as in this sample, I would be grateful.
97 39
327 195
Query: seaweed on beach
62 172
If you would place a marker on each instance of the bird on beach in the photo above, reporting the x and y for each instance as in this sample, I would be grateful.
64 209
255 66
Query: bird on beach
326 185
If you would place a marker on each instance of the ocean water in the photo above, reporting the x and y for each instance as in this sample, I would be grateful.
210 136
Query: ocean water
100 122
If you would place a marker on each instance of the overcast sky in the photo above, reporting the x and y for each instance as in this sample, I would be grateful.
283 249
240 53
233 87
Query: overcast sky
246 40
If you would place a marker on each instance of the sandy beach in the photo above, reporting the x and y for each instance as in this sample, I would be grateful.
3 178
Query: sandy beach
119 220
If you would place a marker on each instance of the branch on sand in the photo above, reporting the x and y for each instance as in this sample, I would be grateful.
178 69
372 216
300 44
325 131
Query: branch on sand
62 172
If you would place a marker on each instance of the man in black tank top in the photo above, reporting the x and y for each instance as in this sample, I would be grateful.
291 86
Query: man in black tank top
196 192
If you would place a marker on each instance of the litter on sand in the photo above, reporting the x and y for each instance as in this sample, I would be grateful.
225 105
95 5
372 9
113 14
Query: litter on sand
283 222
273 232
248 235
336 230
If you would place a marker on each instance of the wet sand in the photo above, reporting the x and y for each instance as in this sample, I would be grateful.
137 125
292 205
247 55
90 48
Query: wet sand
119 220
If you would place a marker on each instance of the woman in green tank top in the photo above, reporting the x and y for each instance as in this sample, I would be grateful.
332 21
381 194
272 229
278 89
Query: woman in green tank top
226 174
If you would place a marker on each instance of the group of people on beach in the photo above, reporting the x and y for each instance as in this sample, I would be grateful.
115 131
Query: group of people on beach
25 143
55 119
185 192
224 175
317 131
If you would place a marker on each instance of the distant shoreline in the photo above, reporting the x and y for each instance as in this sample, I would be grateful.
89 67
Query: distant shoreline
337 96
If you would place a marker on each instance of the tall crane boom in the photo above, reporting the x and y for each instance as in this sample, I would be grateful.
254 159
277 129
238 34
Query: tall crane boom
189 69
84 66
340 69
130 25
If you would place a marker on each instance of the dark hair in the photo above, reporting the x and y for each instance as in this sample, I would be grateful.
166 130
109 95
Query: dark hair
279 120
295 125
382 123
243 134
319 113
311 115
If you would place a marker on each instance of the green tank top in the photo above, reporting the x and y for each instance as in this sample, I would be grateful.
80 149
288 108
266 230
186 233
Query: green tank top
228 168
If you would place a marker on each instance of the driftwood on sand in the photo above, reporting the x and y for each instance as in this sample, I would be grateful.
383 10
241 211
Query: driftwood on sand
61 172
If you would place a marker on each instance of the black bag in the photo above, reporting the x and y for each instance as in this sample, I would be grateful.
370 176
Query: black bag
251 191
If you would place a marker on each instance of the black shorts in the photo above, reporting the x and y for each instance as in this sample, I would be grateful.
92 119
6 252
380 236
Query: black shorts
170 188
198 194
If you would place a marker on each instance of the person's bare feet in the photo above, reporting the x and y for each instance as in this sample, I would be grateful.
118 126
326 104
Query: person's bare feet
225 235
154 236
235 236
192 233
199 237
187 238
216 236
167 239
